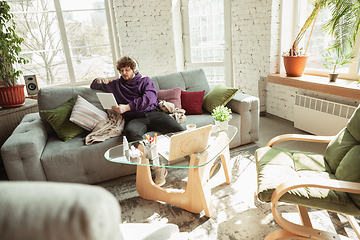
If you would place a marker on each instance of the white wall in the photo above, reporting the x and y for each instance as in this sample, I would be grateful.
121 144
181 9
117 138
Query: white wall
150 31
255 37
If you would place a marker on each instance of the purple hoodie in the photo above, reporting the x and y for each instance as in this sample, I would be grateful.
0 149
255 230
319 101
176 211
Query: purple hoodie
140 93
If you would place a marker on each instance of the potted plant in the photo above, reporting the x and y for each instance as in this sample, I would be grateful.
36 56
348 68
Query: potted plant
10 93
343 26
295 59
336 59
222 116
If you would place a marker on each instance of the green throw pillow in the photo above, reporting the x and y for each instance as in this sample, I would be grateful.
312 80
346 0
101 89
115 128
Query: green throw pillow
59 120
220 95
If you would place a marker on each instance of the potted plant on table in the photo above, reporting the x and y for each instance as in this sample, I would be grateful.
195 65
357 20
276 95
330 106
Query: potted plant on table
336 59
11 94
222 116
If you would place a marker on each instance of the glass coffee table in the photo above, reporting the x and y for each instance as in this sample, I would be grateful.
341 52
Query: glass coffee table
201 165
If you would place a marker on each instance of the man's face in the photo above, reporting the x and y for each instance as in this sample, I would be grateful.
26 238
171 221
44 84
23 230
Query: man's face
127 73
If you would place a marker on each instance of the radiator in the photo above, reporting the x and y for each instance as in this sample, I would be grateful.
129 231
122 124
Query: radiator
320 117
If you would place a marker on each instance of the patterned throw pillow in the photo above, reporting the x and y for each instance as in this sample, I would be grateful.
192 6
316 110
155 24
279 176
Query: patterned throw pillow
171 95
86 115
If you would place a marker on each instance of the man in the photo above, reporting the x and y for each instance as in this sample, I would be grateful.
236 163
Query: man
138 104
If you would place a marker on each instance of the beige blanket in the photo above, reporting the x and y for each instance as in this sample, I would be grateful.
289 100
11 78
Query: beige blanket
114 125
176 113
108 128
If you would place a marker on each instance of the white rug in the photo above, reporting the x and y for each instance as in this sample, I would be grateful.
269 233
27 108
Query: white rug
237 213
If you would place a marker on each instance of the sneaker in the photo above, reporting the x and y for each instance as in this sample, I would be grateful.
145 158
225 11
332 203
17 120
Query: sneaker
160 175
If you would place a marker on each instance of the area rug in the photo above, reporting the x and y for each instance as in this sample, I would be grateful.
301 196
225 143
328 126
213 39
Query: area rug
238 214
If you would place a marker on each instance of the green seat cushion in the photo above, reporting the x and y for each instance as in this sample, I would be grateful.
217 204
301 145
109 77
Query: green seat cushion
220 95
59 119
274 165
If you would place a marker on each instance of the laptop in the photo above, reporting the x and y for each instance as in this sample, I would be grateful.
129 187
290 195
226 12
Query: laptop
184 143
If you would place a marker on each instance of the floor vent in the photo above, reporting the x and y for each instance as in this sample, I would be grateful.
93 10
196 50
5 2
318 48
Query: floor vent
320 117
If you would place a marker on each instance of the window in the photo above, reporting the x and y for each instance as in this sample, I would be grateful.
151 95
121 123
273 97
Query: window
320 41
206 35
65 41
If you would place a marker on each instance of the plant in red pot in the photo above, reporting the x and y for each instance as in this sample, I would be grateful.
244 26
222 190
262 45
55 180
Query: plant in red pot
11 94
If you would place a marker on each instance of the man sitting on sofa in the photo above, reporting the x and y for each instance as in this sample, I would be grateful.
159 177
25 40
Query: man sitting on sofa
138 104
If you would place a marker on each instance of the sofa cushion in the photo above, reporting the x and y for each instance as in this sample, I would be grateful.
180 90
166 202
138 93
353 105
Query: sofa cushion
171 95
59 120
192 102
190 80
86 115
220 95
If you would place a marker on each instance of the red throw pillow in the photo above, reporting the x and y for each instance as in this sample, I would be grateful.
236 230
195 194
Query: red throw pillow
171 95
192 102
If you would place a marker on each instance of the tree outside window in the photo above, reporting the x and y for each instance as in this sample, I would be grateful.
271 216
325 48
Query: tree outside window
45 26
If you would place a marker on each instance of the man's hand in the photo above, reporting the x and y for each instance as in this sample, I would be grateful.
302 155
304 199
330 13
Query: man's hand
121 108
103 80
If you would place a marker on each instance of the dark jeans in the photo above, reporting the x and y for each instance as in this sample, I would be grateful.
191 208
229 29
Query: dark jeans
151 121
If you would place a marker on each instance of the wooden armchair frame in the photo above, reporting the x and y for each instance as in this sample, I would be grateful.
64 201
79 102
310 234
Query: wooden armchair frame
306 231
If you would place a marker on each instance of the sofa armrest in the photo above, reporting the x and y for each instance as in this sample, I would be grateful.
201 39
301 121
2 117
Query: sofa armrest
248 107
21 152
242 103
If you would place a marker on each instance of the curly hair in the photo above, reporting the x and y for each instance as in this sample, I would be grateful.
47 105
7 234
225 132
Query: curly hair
126 61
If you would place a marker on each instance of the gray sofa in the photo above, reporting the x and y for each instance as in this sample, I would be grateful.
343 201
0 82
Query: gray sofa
57 211
34 151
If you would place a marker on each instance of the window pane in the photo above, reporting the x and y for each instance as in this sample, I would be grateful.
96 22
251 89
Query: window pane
215 75
319 42
207 37
31 5
49 66
87 33
37 24
88 37
81 4
86 28
97 63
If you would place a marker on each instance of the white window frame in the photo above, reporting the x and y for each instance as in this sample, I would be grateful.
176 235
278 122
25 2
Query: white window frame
290 24
113 42
227 63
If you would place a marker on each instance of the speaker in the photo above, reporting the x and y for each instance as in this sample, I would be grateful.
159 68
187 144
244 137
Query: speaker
31 84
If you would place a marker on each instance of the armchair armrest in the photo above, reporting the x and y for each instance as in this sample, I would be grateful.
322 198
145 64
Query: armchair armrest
299 137
331 184
21 152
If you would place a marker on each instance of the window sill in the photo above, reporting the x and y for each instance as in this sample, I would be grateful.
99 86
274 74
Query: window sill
342 87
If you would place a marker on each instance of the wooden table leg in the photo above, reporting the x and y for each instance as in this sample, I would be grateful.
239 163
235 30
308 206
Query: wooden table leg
197 186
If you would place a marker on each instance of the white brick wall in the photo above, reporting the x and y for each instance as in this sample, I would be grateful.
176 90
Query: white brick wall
255 39
146 32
